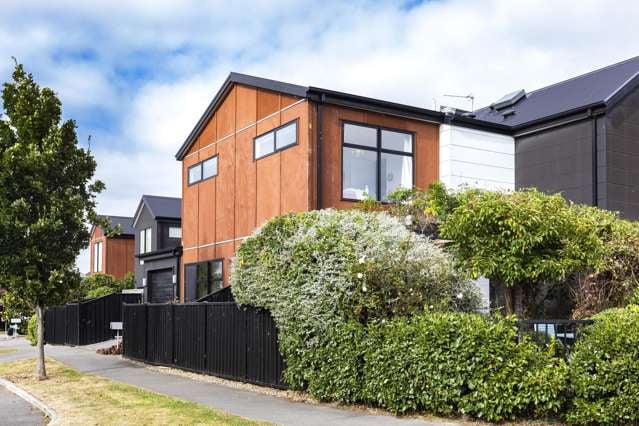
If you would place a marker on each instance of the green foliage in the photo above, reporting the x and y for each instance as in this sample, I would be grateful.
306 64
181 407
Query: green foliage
522 237
98 285
617 280
604 370
32 330
46 194
315 269
443 363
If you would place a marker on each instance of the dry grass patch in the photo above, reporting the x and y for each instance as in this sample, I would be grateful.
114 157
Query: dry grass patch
85 399
5 351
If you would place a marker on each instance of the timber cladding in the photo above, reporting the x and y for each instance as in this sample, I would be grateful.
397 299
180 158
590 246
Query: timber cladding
218 213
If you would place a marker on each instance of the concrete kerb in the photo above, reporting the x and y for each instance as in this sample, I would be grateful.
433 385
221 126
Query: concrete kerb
48 411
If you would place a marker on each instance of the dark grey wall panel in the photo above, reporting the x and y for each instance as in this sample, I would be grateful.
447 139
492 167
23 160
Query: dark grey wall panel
622 135
557 160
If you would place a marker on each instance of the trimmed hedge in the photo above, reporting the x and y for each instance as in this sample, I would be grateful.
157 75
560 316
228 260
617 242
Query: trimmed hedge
604 370
441 363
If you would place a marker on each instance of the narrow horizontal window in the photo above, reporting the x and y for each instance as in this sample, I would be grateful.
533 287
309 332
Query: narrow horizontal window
195 173
275 140
264 145
286 136
209 168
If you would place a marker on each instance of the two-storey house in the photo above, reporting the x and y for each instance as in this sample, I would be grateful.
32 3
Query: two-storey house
112 255
264 148
158 232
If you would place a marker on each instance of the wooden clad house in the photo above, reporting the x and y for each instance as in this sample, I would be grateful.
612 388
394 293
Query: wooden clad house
265 148
112 255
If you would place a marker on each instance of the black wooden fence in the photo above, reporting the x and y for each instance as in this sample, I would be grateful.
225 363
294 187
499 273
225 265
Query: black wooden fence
220 339
85 322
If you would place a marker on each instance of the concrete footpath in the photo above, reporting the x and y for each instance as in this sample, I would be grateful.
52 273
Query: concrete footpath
240 402
16 411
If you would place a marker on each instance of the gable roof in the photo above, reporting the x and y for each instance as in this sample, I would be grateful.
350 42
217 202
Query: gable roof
599 88
124 221
160 207
328 96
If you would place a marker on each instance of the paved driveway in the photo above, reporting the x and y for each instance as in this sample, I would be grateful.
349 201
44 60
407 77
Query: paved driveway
234 401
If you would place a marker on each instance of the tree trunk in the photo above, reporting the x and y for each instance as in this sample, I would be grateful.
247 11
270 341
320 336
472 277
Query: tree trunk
508 299
518 301
41 370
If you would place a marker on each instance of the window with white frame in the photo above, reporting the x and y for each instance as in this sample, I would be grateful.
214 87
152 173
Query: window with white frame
175 232
145 240
276 140
375 161
97 257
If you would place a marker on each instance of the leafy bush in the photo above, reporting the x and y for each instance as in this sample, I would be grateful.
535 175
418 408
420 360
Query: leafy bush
32 330
604 370
456 363
315 269
98 285
617 280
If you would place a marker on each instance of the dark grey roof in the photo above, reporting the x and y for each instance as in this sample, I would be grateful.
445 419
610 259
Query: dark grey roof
160 207
328 96
597 88
124 221
164 207
237 78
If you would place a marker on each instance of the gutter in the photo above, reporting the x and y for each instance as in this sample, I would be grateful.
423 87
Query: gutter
319 136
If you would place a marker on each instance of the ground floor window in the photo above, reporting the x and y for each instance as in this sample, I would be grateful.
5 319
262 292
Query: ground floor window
203 278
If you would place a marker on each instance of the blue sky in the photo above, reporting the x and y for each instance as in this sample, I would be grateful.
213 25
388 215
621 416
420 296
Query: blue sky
136 75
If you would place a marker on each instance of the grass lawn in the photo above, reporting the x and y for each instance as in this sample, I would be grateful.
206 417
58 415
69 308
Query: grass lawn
4 351
85 399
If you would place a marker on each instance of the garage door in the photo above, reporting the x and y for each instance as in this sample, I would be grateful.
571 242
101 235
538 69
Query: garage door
160 286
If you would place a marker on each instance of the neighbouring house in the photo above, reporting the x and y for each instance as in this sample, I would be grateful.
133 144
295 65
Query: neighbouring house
265 148
158 233
112 255
579 137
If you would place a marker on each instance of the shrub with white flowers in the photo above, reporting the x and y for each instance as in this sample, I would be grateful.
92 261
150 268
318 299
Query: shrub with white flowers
315 269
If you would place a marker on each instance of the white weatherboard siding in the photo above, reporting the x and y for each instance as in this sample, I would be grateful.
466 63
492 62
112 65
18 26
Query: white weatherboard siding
476 158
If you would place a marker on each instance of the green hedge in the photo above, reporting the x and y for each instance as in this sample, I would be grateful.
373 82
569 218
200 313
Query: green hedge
604 370
441 363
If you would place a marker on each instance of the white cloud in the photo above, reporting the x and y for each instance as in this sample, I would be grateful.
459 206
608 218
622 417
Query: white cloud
156 64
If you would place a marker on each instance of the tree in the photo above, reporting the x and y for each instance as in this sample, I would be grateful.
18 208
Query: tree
46 197
523 238
98 285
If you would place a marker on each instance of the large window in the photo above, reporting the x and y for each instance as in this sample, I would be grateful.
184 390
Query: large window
203 278
203 170
375 161
97 257
275 140
145 240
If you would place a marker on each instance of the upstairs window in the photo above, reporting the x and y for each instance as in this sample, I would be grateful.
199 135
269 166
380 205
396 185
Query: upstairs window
203 170
97 257
175 232
276 140
145 240
375 161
